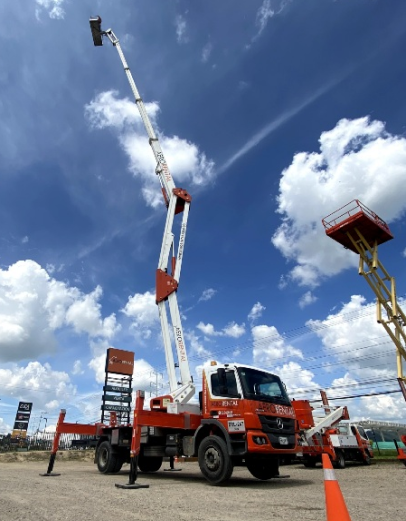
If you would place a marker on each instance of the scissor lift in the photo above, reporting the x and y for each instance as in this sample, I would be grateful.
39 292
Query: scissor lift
361 230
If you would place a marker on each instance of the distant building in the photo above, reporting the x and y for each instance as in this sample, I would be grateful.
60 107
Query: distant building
382 433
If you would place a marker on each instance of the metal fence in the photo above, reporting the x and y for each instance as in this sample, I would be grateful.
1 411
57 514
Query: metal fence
44 441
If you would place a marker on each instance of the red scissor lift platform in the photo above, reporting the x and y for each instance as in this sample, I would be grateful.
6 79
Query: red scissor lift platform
356 216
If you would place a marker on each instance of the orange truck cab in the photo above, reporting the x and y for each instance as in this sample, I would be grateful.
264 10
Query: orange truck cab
244 418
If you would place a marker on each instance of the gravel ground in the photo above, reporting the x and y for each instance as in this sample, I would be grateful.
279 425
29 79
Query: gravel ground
81 493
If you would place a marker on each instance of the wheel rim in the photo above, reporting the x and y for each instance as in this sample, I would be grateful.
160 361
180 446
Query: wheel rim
103 457
212 459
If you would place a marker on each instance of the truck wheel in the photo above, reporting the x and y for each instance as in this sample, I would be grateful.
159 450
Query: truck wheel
340 461
262 469
309 463
214 461
119 464
149 464
106 459
367 459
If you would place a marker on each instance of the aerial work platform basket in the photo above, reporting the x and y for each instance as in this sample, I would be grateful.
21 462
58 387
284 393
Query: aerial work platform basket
355 215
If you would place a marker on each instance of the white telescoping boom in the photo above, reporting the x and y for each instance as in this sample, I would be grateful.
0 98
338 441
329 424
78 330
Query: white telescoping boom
177 200
326 422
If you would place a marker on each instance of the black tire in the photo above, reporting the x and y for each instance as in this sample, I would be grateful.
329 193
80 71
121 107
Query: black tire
309 463
404 463
367 459
214 460
119 463
149 464
106 459
263 469
340 461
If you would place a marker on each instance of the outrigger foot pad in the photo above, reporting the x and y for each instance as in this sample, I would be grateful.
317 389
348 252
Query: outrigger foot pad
134 485
172 465
282 476
50 474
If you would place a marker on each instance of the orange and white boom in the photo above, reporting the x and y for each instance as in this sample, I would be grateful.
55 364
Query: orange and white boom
326 422
177 200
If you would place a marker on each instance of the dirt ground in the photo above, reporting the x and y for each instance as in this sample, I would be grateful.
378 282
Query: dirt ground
81 493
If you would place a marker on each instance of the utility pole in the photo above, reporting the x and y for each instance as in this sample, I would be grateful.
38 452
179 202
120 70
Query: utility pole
42 418
156 385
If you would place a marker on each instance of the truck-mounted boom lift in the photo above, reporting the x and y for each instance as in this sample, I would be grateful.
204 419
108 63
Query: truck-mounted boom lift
331 434
177 200
244 416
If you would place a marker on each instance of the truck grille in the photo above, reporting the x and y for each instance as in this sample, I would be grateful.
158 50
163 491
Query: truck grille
271 424
271 427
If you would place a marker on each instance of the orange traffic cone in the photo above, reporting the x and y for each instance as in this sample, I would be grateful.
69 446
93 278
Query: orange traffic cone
335 504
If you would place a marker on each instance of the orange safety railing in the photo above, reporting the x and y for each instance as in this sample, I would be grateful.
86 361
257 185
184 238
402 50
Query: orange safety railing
351 210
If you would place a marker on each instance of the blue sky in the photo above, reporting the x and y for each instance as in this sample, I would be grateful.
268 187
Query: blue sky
273 114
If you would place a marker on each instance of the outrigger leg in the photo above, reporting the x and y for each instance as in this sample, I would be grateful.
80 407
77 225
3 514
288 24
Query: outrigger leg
135 445
55 446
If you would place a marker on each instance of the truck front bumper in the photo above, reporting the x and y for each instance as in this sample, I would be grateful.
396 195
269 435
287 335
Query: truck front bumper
264 443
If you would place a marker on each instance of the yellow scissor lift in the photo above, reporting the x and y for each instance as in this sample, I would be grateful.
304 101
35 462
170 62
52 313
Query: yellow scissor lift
360 230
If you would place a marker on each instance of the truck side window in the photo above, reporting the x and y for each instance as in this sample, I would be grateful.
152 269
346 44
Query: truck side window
362 432
231 390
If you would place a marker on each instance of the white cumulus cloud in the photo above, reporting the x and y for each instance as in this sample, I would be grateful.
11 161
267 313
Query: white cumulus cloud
186 162
306 299
354 338
33 306
350 165
143 312
270 346
296 378
256 312
77 367
37 383
232 330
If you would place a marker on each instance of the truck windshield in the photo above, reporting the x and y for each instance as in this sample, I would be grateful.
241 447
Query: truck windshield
258 385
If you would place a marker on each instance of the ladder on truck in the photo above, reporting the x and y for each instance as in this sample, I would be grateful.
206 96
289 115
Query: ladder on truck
360 230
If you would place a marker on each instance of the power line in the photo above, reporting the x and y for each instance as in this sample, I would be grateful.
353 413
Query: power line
360 395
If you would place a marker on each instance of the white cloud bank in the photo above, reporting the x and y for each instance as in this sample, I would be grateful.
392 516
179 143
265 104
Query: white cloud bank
358 159
270 346
143 312
353 337
186 162
40 383
34 305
